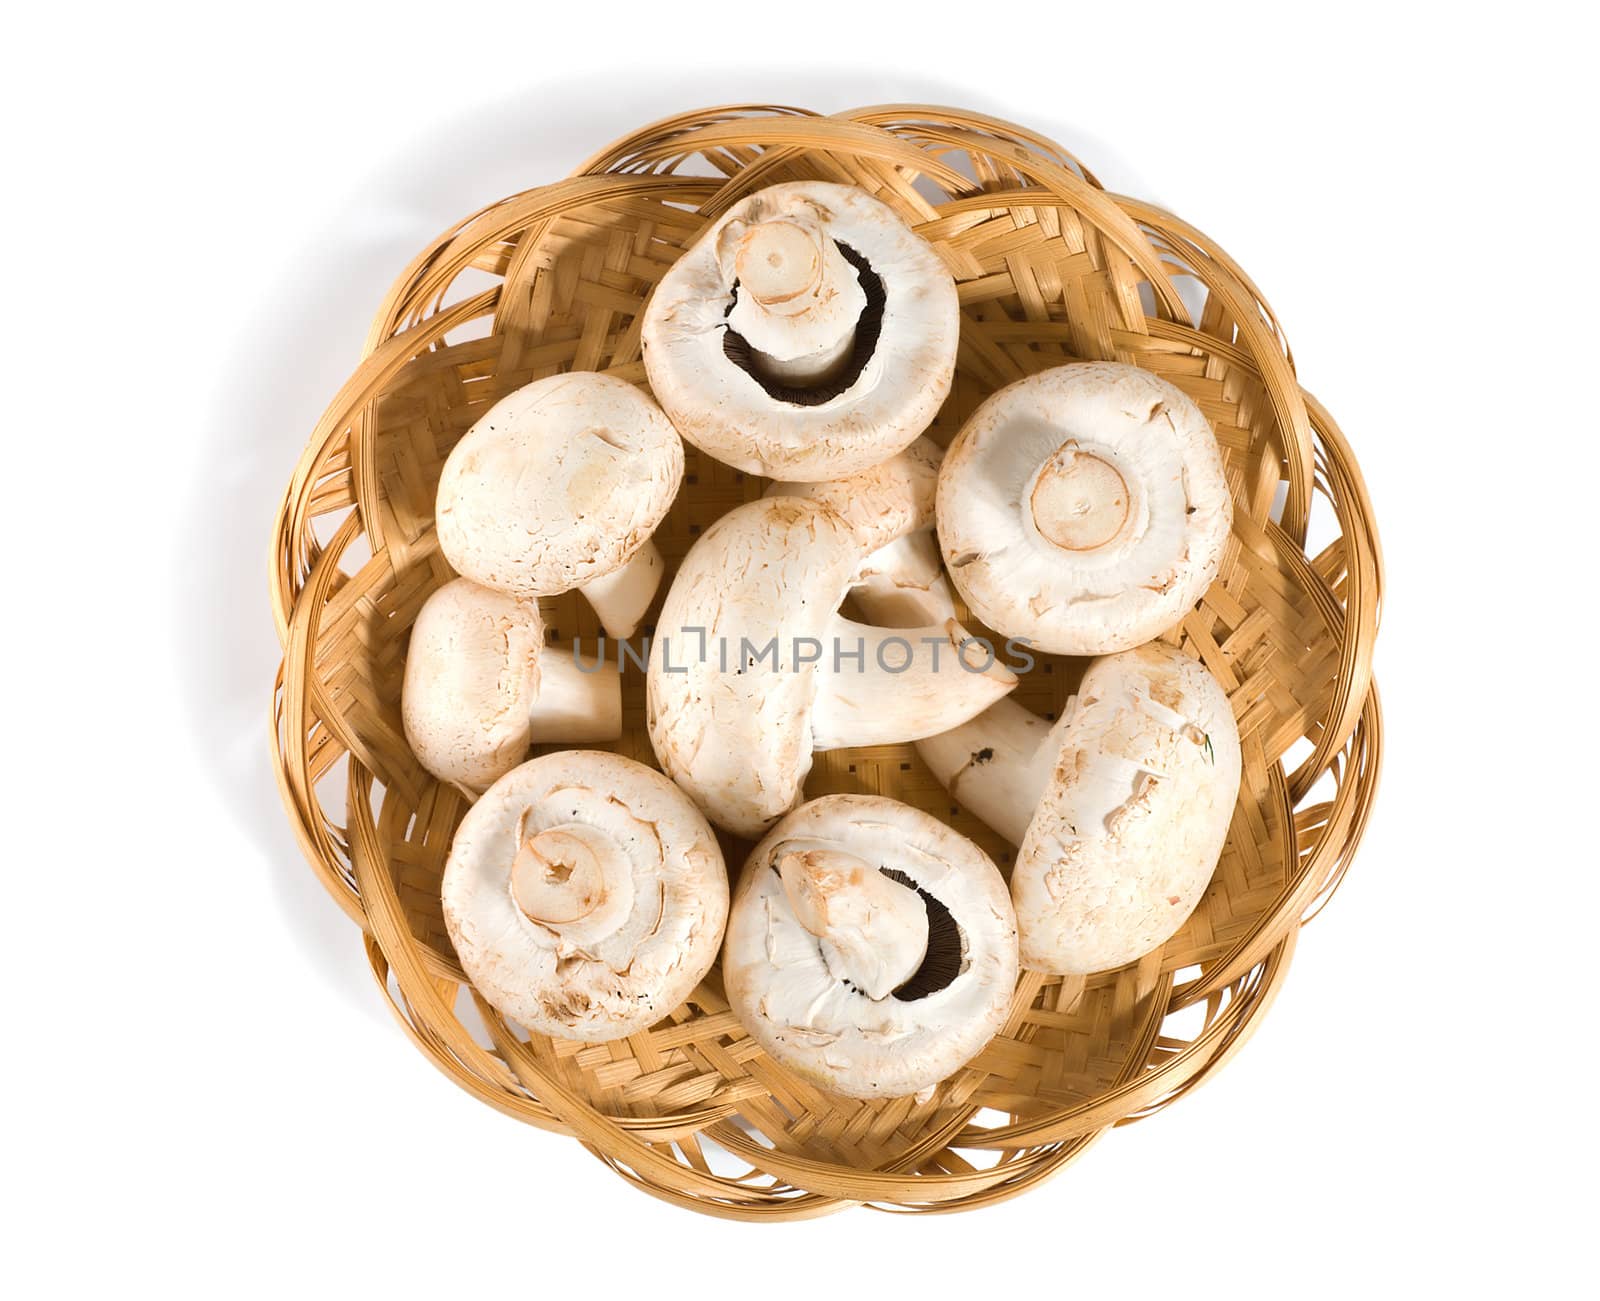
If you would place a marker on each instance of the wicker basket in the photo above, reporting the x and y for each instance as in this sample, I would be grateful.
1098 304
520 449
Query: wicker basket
1050 268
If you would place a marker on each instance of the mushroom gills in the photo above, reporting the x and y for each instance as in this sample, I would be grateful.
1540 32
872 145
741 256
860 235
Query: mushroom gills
947 947
821 376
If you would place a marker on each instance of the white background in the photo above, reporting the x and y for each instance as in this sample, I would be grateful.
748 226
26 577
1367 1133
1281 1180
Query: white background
204 1092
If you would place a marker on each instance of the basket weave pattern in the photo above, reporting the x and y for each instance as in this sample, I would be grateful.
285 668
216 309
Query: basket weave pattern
1050 269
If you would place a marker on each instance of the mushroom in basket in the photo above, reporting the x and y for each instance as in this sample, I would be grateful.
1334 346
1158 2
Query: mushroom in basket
585 895
1120 809
754 668
891 508
808 333
871 950
481 686
560 485
1084 508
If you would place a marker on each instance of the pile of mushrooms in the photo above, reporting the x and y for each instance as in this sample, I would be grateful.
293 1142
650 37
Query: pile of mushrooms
809 336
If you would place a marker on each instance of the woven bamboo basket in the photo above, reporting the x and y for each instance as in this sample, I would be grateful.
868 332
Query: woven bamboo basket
1051 268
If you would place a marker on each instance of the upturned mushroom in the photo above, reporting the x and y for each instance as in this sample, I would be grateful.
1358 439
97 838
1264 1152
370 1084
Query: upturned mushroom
481 686
891 508
808 333
871 950
1084 508
585 895
1120 809
753 667
560 485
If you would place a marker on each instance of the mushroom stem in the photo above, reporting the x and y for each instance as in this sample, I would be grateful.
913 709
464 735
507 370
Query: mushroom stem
575 706
556 877
902 584
571 879
799 301
881 686
997 764
873 930
1078 500
810 371
621 597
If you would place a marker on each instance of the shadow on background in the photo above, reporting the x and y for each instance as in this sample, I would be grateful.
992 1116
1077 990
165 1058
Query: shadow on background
301 345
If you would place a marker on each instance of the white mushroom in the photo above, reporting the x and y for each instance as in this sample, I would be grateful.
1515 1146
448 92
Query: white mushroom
808 333
753 667
585 895
481 687
1084 508
1120 809
891 508
560 485
871 950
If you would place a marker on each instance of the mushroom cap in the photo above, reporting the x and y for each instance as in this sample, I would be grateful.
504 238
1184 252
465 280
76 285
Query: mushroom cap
1084 508
884 502
721 408
1131 825
558 484
471 678
738 741
784 991
649 957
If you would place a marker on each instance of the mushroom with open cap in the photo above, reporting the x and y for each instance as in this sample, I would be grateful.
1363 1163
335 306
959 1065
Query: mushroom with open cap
1084 508
901 581
1120 809
753 667
481 686
560 485
585 895
808 333
871 949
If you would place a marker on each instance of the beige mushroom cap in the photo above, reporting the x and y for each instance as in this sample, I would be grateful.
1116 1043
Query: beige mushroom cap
480 686
752 666
585 896
1133 820
815 920
884 502
814 311
1084 508
558 485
